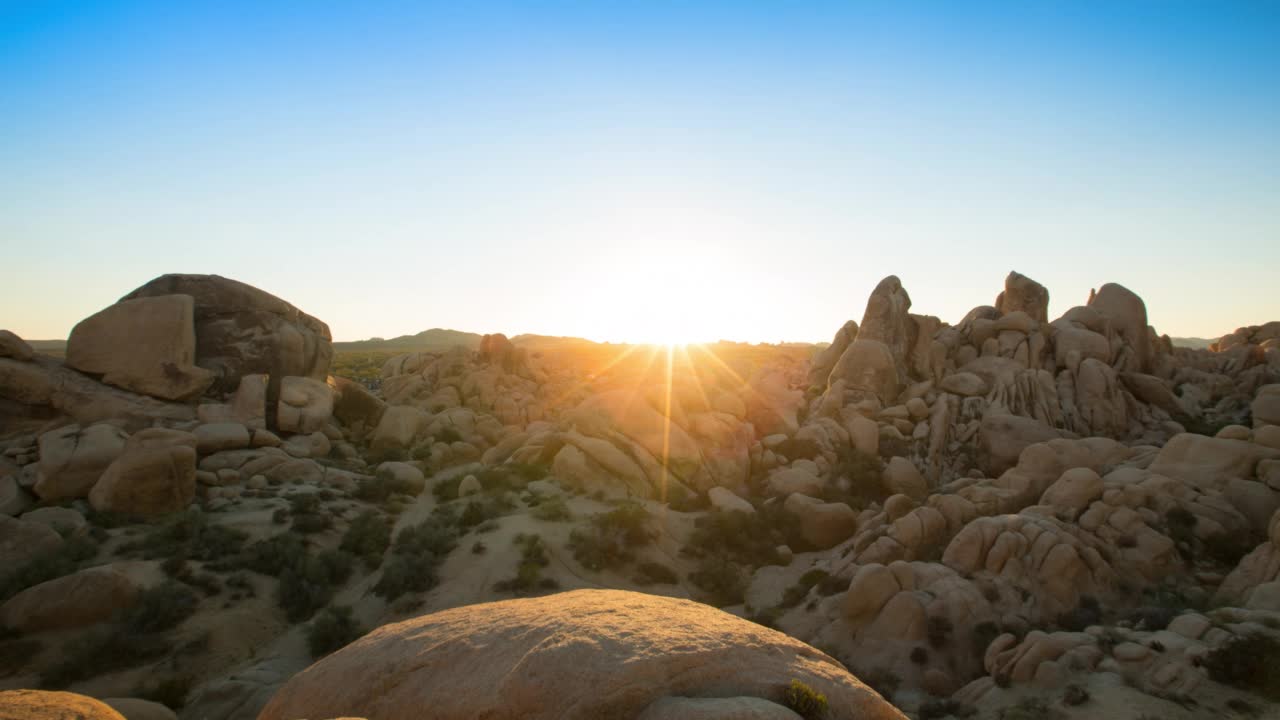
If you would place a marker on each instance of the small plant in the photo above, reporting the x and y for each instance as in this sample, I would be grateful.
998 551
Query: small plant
332 629
652 573
1028 708
309 583
528 577
1075 695
160 608
610 538
415 555
368 537
1251 663
805 701
552 510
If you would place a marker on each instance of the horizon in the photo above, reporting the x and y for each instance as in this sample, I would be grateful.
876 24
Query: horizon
641 174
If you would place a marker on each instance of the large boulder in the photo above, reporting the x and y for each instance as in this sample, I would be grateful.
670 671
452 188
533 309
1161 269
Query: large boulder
1022 294
581 654
147 345
242 330
1128 316
82 598
73 458
45 705
353 403
12 346
1002 438
22 541
868 366
825 359
155 475
305 405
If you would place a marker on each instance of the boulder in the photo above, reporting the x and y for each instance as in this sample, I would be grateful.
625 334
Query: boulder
964 384
823 525
155 475
81 598
398 429
1022 294
403 475
45 705
716 708
12 346
216 437
1128 316
146 345
22 541
579 654
799 478
305 405
1002 438
724 500
901 477
1266 406
825 359
868 366
1207 462
353 403
14 500
1074 491
65 521
72 459
242 330
139 709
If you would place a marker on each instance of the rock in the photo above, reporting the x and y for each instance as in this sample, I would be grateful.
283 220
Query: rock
1128 316
724 500
734 708
12 346
305 405
470 486
1074 491
868 366
1267 436
13 499
353 403
315 445
65 521
1152 390
216 437
44 705
153 476
1022 294
241 330
265 438
1234 432
902 477
822 525
825 359
1254 500
81 598
407 476
964 384
1002 438
146 345
579 654
139 709
1206 462
795 479
1266 406
398 429
72 459
22 541
871 588
864 433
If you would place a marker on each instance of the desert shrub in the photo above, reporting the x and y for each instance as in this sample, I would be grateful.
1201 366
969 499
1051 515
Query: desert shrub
332 629
273 555
796 594
939 631
552 510
447 435
1153 617
749 539
1251 663
368 537
724 581
192 536
170 691
611 537
982 635
1087 613
919 655
1228 549
1075 695
381 486
310 582
1028 708
935 708
652 573
805 701
882 680
89 653
415 555
1181 524
71 555
309 515
528 578
160 608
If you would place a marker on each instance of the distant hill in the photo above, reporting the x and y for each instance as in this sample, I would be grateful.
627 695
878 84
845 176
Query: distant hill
434 339
1194 343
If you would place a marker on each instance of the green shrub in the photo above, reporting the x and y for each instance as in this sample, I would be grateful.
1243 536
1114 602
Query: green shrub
796 594
192 536
416 553
89 653
273 555
160 608
611 537
749 539
805 701
448 435
332 629
1251 663
935 708
552 510
528 577
652 573
724 581
368 537
71 555
1028 708
310 583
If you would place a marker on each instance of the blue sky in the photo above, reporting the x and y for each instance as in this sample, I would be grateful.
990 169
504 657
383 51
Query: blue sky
641 171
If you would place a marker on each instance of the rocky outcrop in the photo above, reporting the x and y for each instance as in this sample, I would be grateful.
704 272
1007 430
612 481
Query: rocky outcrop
147 345
75 600
44 705
241 330
581 654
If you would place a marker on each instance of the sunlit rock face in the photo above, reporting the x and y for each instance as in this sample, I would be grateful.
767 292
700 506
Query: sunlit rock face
583 654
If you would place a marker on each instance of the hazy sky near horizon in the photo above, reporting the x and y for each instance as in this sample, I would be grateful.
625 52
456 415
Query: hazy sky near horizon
642 170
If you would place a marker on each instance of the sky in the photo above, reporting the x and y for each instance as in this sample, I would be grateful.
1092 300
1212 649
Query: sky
640 171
